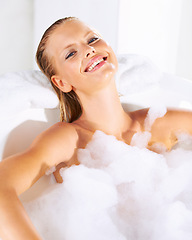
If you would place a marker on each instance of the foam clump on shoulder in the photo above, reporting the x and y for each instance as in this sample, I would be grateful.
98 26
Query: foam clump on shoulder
141 139
119 192
154 113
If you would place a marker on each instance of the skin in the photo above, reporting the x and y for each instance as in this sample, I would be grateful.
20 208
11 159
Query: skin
102 110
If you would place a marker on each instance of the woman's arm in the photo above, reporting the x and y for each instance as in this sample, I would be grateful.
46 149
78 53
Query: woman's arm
19 172
14 222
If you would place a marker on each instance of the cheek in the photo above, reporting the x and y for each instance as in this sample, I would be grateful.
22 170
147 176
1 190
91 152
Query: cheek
111 53
70 69
71 73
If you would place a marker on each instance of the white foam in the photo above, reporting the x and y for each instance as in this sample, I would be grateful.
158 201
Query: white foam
141 139
119 192
154 113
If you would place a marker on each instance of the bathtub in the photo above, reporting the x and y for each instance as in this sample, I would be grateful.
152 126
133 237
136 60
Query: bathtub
140 84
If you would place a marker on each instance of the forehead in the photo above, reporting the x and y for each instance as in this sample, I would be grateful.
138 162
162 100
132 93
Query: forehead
69 31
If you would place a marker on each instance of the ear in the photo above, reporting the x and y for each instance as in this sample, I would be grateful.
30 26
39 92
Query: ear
61 84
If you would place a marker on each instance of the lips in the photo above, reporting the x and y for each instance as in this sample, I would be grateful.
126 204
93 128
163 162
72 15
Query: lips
95 63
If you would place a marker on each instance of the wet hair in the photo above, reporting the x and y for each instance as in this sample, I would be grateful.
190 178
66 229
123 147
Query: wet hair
70 106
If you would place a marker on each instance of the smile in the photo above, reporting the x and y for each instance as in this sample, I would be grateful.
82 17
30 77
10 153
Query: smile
95 64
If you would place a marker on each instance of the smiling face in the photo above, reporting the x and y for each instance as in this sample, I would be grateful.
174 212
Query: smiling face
83 61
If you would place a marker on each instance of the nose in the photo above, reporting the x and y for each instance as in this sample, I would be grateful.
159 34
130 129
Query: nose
89 51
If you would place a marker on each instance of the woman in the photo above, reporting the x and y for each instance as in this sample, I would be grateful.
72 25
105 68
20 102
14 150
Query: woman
81 67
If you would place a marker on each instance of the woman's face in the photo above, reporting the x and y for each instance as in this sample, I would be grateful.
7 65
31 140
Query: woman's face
83 61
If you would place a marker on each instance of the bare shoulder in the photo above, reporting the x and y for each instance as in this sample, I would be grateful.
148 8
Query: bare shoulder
60 140
55 145
59 131
179 114
176 120
165 129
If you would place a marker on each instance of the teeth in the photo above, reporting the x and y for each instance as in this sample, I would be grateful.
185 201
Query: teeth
94 64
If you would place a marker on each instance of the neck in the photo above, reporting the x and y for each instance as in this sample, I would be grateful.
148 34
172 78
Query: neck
103 111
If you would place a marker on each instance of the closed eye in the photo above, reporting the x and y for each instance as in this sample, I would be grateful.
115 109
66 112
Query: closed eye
70 54
93 40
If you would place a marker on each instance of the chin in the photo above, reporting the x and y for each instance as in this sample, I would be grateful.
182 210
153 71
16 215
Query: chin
111 69
108 74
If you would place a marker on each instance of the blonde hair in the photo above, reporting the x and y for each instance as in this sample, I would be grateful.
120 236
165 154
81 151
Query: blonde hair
70 106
